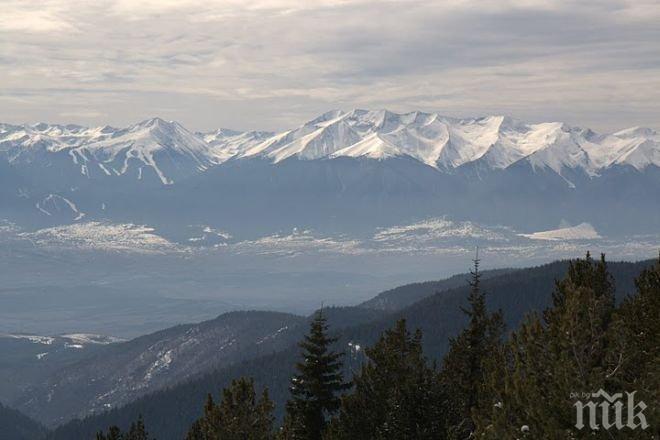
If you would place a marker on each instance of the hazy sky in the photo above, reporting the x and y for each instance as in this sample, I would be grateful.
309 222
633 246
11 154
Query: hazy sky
271 64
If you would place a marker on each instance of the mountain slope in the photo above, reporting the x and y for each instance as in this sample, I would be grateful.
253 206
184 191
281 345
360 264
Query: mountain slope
16 426
404 296
122 372
169 412
154 148
26 359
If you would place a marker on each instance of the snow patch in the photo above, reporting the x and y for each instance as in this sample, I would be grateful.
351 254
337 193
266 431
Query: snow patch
102 236
296 243
583 231
162 363
56 204
90 338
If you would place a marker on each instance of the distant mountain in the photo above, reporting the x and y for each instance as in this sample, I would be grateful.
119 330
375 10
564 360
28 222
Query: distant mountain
164 149
342 172
168 149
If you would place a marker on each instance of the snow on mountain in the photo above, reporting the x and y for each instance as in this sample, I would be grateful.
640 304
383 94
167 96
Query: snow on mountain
169 150
90 338
440 228
54 204
150 143
166 148
583 231
157 360
315 139
447 143
226 144
73 340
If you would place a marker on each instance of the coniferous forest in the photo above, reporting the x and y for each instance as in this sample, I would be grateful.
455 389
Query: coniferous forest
494 382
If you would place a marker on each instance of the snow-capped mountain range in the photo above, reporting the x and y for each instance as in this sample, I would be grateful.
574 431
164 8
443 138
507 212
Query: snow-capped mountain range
415 163
446 143
440 142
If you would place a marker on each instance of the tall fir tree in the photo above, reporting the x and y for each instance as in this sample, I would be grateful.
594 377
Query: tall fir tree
396 396
465 365
636 355
316 386
574 349
239 416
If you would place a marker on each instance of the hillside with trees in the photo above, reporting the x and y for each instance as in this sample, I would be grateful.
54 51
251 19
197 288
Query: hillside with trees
482 361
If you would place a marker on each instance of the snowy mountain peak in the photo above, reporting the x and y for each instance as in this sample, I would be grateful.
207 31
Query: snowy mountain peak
636 132
167 151
325 117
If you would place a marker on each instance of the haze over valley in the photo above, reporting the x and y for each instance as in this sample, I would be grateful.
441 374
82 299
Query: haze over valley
121 231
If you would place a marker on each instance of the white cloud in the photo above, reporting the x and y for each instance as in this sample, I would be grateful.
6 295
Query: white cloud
33 18
269 64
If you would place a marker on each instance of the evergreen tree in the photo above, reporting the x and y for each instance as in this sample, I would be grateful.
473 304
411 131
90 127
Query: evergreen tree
637 353
114 433
137 431
316 387
464 367
239 416
396 396
573 349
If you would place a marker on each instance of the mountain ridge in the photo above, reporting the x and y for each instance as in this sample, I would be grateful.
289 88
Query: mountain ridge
342 172
442 142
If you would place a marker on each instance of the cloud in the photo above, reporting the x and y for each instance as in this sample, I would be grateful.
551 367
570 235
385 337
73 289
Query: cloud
26 17
270 64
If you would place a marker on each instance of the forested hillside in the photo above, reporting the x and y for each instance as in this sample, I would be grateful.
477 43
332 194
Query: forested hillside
17 426
169 413
403 296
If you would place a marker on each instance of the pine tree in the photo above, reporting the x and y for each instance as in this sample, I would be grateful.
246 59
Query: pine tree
239 416
464 366
137 431
637 347
114 433
572 349
397 395
316 387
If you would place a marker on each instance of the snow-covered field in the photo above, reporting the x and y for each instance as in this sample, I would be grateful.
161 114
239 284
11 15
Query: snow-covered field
411 249
435 235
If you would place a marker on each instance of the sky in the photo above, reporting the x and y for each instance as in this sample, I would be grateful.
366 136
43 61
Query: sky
273 64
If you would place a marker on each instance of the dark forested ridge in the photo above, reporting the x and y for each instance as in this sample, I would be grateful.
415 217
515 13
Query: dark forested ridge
403 296
120 373
169 413
17 426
